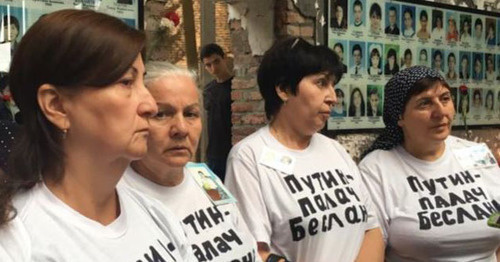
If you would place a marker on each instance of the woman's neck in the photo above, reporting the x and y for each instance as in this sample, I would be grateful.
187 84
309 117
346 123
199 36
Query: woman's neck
424 151
158 172
287 134
88 185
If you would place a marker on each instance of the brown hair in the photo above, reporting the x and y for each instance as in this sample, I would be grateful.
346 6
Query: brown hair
70 49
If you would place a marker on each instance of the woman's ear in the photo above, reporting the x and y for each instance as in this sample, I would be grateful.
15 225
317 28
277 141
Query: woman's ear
400 121
283 94
51 101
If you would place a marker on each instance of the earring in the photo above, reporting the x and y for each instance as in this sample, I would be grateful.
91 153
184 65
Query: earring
64 132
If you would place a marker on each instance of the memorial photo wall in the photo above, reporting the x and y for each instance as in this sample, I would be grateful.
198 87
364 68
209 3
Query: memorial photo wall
376 39
18 15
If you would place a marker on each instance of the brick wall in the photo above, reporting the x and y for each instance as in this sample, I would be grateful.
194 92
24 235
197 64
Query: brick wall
248 108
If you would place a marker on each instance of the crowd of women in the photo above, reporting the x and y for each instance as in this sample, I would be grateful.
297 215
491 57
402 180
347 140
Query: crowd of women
99 170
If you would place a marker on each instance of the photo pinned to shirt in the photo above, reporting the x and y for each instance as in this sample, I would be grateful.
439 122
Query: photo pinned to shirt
494 220
210 184
475 157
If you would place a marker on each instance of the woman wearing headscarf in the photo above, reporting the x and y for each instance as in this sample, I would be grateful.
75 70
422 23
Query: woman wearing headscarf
162 173
85 112
299 191
433 192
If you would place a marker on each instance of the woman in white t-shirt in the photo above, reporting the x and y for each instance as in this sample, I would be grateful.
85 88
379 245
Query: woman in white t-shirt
299 191
77 77
162 174
433 192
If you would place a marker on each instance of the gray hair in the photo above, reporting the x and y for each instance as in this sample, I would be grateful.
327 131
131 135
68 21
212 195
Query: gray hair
159 69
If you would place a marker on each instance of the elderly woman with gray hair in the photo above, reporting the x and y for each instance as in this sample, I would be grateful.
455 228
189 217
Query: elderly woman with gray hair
216 232
433 192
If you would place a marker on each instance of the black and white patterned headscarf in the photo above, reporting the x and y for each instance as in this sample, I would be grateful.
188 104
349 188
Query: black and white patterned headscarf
396 91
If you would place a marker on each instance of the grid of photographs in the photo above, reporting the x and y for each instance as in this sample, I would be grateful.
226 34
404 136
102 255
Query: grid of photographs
376 39
18 15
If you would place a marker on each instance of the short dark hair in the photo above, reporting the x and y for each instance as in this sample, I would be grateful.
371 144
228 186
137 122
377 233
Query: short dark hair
211 49
451 55
478 22
408 10
286 63
408 52
339 45
391 52
13 21
392 8
357 47
72 50
424 14
375 9
358 3
437 53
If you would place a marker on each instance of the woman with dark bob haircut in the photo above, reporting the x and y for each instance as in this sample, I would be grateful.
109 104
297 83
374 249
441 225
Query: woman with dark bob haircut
433 204
293 184
77 77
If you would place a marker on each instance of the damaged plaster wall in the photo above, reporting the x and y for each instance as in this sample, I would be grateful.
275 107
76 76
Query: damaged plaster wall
257 18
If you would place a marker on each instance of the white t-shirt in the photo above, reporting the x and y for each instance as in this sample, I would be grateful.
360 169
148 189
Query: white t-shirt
46 229
318 210
216 233
433 211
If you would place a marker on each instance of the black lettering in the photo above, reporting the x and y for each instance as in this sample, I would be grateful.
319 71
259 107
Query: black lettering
318 178
350 190
215 214
341 196
455 179
461 213
309 183
320 203
435 218
351 215
202 219
306 206
329 201
221 245
425 222
415 185
425 203
442 181
341 176
455 199
298 232
489 207
364 213
441 202
446 219
480 213
479 192
156 257
329 179
232 236
198 253
189 220
467 177
469 197
313 226
430 185
293 184
210 251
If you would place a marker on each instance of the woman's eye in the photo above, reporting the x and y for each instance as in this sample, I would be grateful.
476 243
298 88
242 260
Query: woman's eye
160 115
126 82
193 114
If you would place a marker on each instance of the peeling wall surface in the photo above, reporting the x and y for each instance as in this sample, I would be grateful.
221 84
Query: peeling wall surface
257 19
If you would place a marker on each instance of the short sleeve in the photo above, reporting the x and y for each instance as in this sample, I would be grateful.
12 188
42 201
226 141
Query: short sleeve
373 184
243 182
15 244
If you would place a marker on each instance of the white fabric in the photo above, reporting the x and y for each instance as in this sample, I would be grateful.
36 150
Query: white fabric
390 176
269 199
190 204
46 229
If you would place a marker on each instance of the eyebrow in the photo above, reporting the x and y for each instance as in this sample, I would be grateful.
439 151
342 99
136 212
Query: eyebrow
170 106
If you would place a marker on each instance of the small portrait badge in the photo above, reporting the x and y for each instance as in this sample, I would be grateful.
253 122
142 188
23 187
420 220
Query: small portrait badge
277 160
210 184
478 156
